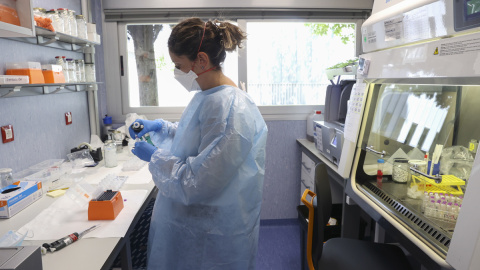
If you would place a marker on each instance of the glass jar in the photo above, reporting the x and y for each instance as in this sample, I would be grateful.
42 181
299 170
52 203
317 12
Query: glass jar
110 155
62 61
416 185
64 16
81 26
39 12
59 21
118 137
72 70
80 70
6 178
400 170
73 23
90 73
52 15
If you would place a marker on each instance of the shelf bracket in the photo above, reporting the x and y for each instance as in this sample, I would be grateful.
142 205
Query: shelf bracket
12 91
82 47
59 88
75 89
42 43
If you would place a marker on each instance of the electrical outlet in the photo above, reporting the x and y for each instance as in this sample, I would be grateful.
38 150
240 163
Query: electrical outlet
7 133
68 118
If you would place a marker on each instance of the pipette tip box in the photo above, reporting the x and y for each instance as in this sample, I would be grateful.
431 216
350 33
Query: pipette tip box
107 206
18 196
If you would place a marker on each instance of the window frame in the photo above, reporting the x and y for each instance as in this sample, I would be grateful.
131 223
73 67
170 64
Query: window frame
117 83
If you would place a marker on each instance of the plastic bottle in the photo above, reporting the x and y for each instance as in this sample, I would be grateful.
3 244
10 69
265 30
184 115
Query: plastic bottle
438 212
449 212
107 125
314 116
443 212
380 163
455 212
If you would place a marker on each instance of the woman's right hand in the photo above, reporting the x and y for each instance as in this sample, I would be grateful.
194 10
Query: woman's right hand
140 127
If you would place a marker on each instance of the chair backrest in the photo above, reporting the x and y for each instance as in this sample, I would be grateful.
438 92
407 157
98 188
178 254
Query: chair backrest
323 209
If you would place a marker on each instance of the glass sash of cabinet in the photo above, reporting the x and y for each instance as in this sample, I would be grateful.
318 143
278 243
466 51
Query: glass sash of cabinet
406 122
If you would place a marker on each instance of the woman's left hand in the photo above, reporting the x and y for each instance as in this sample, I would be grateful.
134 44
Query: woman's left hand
144 150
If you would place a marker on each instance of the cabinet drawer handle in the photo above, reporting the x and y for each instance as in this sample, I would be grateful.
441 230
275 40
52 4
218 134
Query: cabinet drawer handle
305 166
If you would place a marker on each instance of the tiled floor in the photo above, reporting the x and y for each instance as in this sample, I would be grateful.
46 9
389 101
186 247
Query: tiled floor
279 245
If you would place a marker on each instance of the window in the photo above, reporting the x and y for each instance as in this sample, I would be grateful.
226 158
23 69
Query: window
282 64
286 61
150 70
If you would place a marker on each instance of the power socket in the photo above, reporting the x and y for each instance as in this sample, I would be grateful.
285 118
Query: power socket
7 133
68 118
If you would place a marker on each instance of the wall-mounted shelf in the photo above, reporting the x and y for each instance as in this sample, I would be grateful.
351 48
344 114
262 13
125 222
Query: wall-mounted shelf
10 30
56 40
18 90
27 26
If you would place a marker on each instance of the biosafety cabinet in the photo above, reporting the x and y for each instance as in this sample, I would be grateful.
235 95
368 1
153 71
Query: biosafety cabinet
422 97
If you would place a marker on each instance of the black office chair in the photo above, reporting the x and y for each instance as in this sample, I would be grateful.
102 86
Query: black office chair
342 253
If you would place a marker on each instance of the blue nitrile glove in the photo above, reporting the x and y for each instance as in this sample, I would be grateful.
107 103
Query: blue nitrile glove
144 150
148 126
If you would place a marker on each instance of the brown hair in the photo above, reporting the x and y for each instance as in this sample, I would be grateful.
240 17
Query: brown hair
220 37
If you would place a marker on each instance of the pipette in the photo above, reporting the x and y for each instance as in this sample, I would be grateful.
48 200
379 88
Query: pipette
65 241
137 127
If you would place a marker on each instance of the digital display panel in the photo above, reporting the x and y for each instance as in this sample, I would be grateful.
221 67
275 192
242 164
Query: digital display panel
472 7
334 141
466 14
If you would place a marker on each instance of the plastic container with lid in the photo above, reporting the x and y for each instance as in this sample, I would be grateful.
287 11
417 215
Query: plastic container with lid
8 12
53 74
380 163
400 170
31 69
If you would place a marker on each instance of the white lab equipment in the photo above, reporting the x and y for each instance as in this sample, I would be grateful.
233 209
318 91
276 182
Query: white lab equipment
418 52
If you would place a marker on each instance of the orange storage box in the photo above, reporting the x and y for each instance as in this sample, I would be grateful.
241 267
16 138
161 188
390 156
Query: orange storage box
8 12
53 74
107 206
31 69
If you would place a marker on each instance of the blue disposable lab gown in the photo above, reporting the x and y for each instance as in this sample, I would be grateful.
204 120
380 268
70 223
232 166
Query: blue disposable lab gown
209 170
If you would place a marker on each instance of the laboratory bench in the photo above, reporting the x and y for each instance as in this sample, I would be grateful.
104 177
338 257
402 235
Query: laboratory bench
86 253
350 226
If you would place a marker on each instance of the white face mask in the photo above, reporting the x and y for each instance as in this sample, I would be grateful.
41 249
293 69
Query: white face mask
188 80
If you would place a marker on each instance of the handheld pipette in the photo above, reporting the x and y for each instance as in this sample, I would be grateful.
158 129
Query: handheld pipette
65 241
137 127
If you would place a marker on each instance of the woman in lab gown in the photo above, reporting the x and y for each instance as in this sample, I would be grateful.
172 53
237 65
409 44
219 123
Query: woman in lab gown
208 167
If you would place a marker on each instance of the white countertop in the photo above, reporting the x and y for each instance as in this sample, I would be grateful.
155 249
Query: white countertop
310 147
90 253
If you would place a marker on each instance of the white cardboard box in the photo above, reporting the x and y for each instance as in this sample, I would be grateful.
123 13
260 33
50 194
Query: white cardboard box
14 79
22 195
